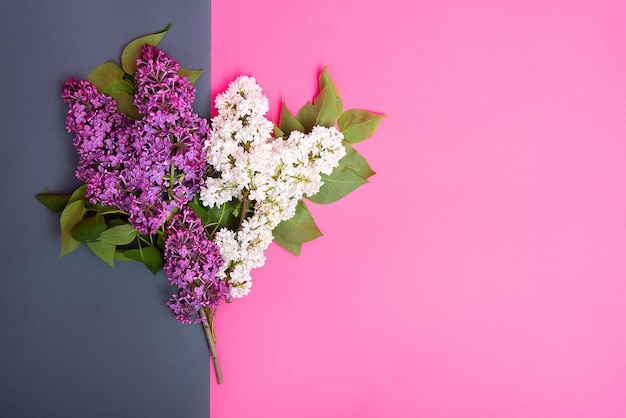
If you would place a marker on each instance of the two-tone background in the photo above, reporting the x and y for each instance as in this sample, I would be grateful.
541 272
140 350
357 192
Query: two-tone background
481 272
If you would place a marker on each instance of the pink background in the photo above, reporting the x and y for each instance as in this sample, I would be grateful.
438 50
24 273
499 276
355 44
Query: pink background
481 272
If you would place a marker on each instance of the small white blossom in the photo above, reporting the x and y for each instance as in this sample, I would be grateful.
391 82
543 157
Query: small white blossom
273 173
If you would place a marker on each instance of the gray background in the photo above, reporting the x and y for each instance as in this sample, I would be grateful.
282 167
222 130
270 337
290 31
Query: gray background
77 338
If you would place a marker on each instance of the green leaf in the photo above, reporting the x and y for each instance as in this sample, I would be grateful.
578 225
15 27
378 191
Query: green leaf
119 256
325 78
327 104
89 229
104 250
224 215
357 125
115 222
277 132
189 74
79 194
54 202
288 123
120 88
126 105
200 210
109 79
293 248
306 117
119 235
352 172
132 50
150 256
301 228
72 214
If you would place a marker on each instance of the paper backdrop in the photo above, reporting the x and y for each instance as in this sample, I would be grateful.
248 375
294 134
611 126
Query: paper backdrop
481 273
78 338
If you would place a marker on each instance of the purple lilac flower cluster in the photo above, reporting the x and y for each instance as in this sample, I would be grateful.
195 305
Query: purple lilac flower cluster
145 167
192 263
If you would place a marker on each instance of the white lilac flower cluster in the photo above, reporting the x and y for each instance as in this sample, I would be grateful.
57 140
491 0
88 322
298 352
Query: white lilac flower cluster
273 174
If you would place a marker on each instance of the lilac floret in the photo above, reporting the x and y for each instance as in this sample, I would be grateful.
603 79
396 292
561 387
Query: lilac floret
159 87
146 167
192 262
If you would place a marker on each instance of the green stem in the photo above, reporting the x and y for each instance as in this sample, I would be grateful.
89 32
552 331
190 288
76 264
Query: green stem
219 222
108 212
244 210
212 315
141 249
149 243
210 339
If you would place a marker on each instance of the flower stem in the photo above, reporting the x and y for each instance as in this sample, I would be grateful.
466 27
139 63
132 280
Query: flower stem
208 332
244 210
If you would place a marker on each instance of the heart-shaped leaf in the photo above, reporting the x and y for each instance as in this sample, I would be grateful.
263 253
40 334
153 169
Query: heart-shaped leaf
357 125
277 132
126 105
89 229
119 235
54 202
71 215
132 50
104 250
327 104
306 117
189 74
288 122
301 228
79 194
352 172
150 256
107 75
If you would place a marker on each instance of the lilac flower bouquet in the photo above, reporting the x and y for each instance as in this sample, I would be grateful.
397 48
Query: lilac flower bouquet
200 199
